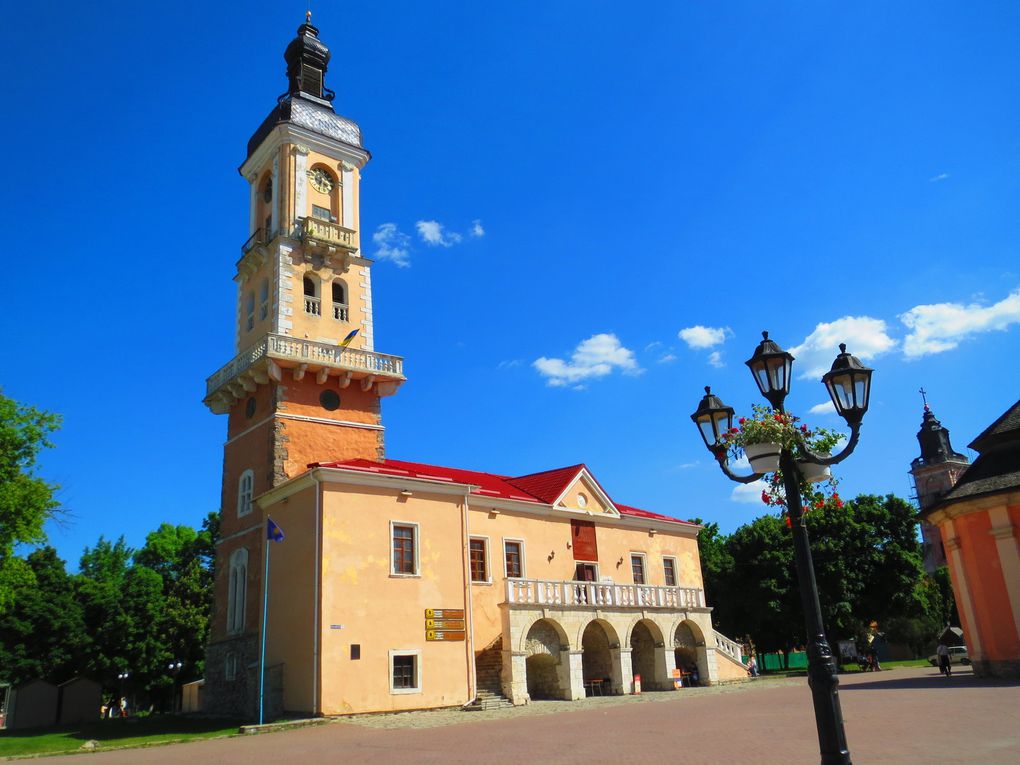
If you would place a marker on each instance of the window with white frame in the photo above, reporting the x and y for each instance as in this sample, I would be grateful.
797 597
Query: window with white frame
238 589
513 558
637 567
479 559
669 571
404 543
405 671
245 485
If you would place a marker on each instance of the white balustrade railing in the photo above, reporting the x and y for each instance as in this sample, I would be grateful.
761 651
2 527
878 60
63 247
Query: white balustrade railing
313 306
729 647
601 594
307 352
340 312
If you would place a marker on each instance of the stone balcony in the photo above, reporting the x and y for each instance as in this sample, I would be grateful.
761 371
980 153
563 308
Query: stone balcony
316 232
274 354
586 595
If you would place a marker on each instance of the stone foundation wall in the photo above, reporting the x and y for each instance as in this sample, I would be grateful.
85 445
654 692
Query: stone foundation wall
231 698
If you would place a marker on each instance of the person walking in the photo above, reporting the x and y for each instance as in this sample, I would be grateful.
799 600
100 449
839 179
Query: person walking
945 665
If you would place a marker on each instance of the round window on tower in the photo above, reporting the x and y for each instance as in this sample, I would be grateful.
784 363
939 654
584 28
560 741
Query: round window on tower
249 408
582 501
330 400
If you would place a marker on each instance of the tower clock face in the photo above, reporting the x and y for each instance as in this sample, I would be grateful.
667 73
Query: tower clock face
321 180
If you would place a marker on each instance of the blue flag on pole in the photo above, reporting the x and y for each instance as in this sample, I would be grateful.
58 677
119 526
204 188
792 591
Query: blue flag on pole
273 532
350 336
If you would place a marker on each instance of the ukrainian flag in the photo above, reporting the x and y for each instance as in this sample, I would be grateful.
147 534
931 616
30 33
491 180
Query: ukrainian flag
350 336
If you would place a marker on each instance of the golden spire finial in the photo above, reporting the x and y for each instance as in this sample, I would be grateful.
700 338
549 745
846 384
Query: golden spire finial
308 16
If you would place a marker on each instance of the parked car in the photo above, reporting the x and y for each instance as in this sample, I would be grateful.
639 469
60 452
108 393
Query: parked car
957 655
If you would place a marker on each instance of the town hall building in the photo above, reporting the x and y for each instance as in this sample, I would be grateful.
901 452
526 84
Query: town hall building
402 585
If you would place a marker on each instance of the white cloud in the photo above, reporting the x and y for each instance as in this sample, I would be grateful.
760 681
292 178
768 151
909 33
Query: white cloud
434 235
824 408
749 493
653 345
939 177
943 326
715 359
864 336
476 228
704 337
392 244
743 463
595 357
509 364
667 358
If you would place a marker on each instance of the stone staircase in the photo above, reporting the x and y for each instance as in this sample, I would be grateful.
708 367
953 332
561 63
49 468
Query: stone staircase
488 666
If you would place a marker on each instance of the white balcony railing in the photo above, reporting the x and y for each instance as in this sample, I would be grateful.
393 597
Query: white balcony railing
601 594
317 355
729 647
340 312
313 306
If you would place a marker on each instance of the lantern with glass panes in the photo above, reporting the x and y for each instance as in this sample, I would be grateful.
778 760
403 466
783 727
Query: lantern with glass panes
849 386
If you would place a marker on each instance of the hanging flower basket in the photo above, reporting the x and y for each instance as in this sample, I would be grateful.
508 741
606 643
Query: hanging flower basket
812 472
764 458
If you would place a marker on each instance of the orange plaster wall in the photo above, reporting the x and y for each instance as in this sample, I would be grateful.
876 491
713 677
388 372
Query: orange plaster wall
290 637
727 669
987 586
381 612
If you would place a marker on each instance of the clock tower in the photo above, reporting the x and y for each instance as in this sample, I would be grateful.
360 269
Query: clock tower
305 382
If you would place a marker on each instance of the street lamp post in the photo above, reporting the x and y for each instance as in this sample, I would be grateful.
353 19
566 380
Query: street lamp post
849 386
175 670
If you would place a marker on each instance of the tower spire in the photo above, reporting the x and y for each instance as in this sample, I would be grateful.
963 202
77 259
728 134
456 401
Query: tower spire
307 59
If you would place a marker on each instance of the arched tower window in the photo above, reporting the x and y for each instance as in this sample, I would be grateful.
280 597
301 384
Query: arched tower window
238 589
263 299
324 196
265 205
340 307
249 311
244 492
311 288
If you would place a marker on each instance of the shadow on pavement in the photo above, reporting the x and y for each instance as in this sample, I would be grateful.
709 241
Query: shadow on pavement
927 682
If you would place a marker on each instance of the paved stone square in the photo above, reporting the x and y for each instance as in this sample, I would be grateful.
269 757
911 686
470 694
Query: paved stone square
898 716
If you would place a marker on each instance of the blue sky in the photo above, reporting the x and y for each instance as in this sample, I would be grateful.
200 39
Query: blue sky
827 172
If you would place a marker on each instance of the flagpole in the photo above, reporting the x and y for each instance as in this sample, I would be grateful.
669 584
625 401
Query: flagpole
265 619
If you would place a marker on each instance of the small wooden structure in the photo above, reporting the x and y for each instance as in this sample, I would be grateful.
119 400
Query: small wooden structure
80 700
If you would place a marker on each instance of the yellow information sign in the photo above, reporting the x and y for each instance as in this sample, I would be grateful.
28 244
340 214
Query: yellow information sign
443 635
444 624
444 613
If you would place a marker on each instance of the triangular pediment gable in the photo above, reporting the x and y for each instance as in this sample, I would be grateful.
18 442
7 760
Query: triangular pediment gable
584 494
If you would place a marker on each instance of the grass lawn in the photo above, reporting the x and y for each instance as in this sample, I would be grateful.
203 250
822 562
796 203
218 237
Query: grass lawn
132 731
890 665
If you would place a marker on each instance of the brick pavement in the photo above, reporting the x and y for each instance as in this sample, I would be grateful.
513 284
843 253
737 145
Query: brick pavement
908 716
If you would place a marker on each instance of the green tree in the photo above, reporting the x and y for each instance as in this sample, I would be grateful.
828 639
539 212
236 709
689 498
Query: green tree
716 568
26 500
42 634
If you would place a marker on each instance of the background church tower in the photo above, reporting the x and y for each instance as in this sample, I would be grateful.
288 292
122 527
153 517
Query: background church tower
294 393
935 472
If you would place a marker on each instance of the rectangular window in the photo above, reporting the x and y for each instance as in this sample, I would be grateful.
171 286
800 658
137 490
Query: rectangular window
637 567
512 553
321 213
404 549
230 670
669 570
405 672
479 564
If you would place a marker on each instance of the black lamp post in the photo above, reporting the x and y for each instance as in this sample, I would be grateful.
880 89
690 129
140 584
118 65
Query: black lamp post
849 386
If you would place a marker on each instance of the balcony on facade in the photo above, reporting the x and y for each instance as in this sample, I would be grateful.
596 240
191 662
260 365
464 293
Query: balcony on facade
540 592
316 232
274 355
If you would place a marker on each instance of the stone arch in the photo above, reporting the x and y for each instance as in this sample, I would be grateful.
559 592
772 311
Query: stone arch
600 657
690 650
647 654
545 659
556 626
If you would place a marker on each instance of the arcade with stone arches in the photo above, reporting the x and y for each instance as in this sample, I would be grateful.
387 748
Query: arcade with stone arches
551 654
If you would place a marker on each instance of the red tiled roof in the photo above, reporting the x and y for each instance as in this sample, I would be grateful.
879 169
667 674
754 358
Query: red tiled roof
537 488
549 484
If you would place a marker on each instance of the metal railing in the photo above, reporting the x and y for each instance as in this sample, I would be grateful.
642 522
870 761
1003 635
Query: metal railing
601 594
